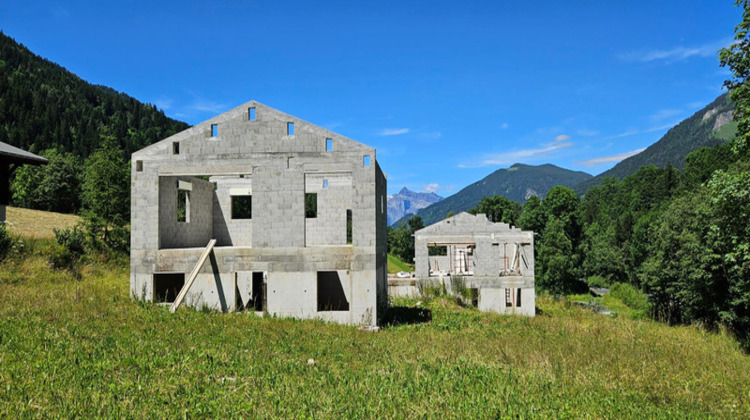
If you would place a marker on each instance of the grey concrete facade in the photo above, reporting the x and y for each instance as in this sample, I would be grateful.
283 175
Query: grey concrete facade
242 178
494 258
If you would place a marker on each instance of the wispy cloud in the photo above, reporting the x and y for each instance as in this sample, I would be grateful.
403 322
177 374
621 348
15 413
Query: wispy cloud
504 126
393 131
612 158
562 137
587 133
431 188
664 114
516 156
163 103
204 105
634 131
434 135
677 53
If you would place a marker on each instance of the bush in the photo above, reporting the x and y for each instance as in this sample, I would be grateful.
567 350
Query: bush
597 281
71 246
630 296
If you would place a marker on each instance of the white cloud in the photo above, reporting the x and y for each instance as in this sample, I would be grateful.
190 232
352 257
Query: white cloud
434 135
504 126
516 156
203 105
612 158
431 188
393 131
633 132
664 114
678 53
587 133
562 137
163 103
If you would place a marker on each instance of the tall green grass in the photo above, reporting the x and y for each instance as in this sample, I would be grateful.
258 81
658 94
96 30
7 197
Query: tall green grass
82 348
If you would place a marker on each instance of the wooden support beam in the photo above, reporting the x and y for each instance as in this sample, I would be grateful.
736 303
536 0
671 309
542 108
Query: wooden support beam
193 275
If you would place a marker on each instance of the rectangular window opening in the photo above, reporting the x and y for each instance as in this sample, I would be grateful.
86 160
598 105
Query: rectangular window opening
242 206
518 297
311 205
329 145
214 130
331 295
139 166
437 250
259 291
183 206
325 183
366 161
348 227
251 114
167 286
508 298
176 148
290 129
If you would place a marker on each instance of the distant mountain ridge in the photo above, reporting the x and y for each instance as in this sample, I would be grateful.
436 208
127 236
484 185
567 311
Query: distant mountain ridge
710 126
408 202
517 183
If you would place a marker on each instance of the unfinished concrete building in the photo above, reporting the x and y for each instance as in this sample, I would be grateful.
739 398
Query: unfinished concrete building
255 209
494 260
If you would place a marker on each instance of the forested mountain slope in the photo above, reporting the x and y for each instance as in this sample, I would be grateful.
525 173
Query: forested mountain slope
43 105
517 183
710 126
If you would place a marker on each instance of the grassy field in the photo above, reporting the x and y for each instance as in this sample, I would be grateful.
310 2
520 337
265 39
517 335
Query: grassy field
37 224
395 265
82 348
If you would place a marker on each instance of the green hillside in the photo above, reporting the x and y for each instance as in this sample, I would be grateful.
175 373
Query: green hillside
710 126
42 105
517 183
80 347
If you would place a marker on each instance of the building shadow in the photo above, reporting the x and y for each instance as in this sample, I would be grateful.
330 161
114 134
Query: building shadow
406 315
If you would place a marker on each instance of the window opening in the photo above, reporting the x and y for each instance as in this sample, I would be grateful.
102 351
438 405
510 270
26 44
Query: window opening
366 161
437 250
329 145
214 130
325 183
167 286
311 205
290 128
508 298
139 166
518 297
251 114
259 292
176 148
348 227
242 206
183 206
331 295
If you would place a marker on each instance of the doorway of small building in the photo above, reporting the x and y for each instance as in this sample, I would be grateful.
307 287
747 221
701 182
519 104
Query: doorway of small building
259 292
331 295
167 286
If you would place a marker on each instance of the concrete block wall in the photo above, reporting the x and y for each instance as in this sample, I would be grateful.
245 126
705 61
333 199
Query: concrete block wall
197 230
228 231
329 227
278 168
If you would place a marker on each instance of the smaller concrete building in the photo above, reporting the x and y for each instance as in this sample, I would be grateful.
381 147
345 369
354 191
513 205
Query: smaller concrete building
495 260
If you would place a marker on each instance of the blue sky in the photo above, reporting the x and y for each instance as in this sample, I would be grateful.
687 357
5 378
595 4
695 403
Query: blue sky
446 91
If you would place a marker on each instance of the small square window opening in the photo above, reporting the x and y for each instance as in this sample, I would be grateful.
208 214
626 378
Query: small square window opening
290 128
176 148
251 114
214 130
329 145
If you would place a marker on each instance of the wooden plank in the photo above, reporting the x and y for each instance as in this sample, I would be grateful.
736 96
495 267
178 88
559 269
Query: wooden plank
193 275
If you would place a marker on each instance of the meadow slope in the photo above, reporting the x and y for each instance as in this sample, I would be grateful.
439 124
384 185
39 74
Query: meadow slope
73 347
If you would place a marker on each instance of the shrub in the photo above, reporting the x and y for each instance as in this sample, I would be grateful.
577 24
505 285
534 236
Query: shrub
630 296
597 281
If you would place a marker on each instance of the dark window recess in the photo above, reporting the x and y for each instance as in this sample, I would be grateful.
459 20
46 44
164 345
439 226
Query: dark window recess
176 148
290 128
251 114
167 286
329 145
349 227
259 292
242 207
214 130
518 297
311 205
183 206
437 250
331 296
139 166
